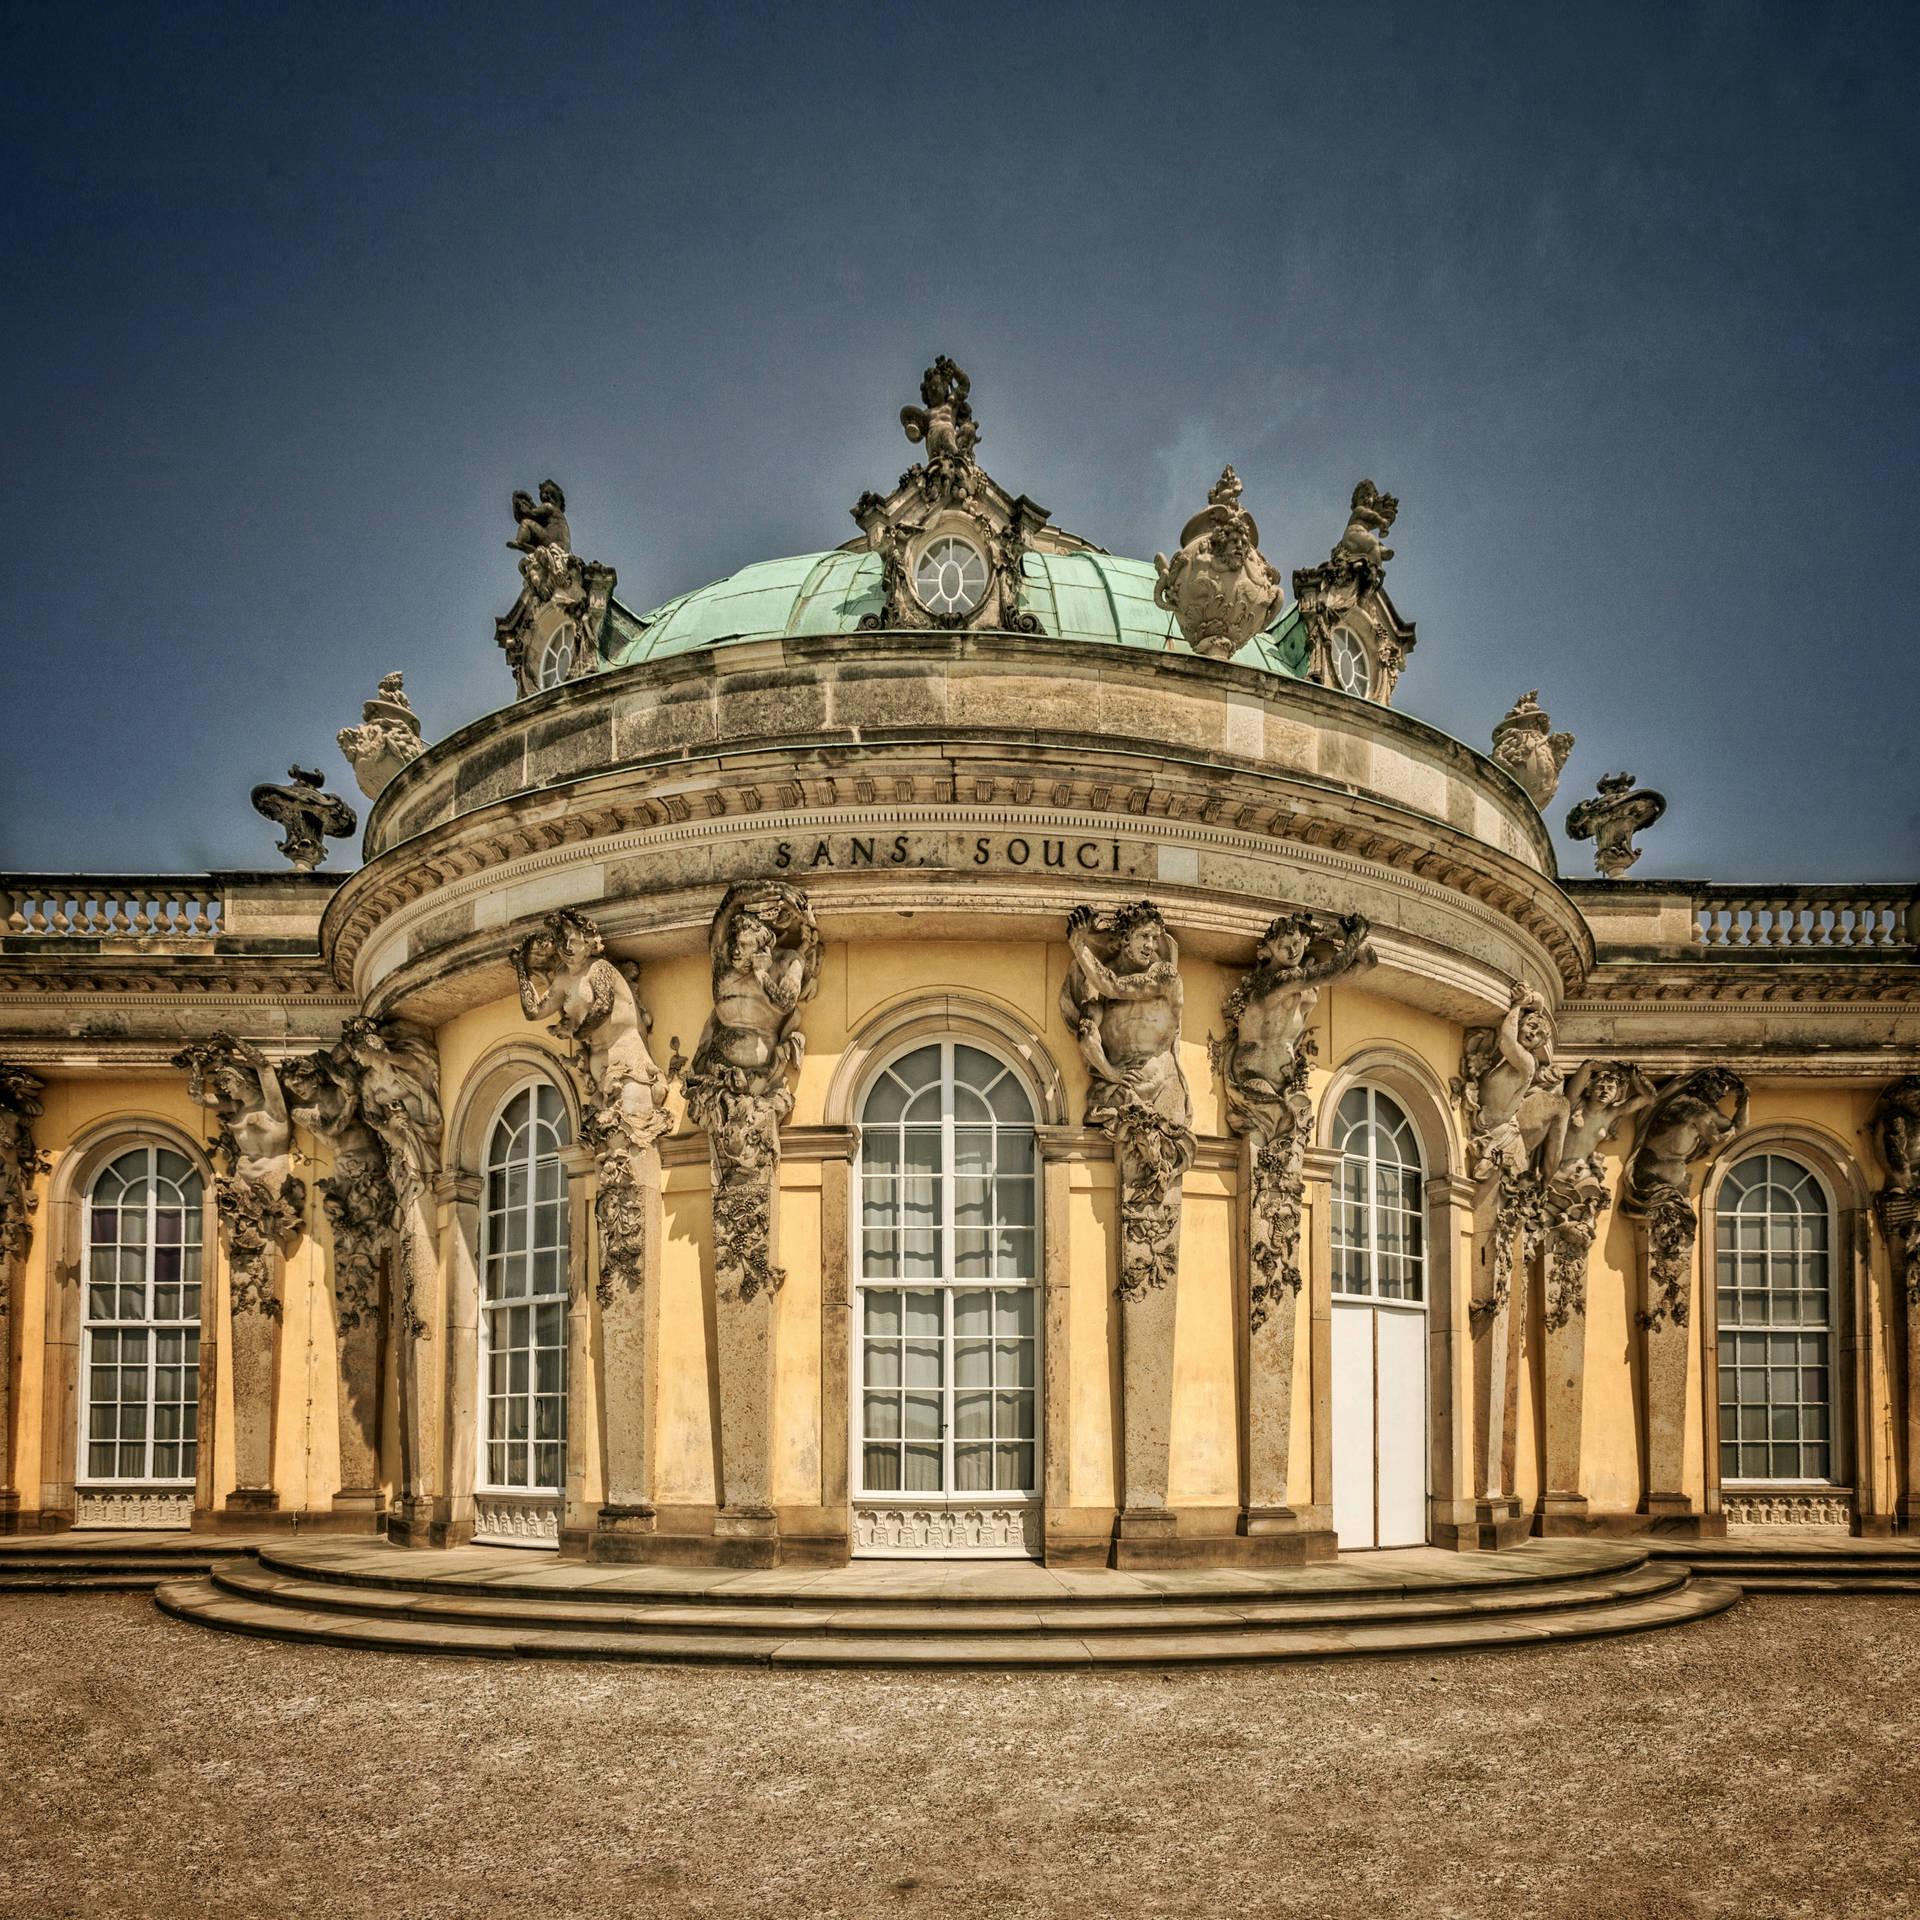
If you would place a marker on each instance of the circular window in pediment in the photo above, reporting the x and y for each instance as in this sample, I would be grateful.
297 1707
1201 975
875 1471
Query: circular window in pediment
950 575
1352 664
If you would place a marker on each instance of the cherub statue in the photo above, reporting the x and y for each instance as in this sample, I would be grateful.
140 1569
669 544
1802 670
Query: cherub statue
1684 1123
1525 746
1896 1125
1612 818
306 812
1370 516
1512 1091
543 524
943 419
1220 589
387 738
1269 1010
564 971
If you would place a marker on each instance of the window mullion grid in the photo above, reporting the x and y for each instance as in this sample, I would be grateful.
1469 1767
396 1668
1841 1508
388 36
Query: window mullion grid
945 1266
151 1261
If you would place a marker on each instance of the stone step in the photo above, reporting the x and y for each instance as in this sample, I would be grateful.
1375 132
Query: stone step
78 1572
1192 1643
475 1602
917 1587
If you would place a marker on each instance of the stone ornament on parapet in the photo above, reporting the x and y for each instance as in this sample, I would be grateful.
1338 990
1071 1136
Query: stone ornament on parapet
1610 820
387 738
1524 743
1219 587
1352 579
306 813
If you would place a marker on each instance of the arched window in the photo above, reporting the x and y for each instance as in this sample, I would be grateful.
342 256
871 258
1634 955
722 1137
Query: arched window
1377 1245
556 660
1352 663
141 1329
1772 1237
523 1313
947 1403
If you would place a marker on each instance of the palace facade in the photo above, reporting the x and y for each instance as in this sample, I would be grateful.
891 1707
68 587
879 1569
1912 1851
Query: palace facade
958 1045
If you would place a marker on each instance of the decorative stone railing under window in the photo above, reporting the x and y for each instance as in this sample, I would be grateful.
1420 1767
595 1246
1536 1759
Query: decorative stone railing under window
276 911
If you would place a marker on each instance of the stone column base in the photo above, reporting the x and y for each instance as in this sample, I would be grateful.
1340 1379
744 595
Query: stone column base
746 1537
1496 1525
1674 1516
248 1509
9 1510
1562 1516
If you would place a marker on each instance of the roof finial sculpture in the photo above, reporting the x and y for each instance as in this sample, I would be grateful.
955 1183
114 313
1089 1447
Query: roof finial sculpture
387 738
1347 590
554 629
543 524
946 423
306 812
1612 818
1523 744
1220 589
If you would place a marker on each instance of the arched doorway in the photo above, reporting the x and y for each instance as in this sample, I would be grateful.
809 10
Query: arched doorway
945 1442
1379 1326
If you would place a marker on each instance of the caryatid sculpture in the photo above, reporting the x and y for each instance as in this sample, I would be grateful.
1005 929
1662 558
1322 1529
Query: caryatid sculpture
21 1164
262 1209
1263 1062
1219 587
306 813
564 972
765 948
260 1202
387 738
1526 745
358 1198
1896 1132
1601 1095
1684 1124
1122 997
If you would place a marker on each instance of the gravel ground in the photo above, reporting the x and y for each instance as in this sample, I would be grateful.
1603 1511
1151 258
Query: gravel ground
1763 1763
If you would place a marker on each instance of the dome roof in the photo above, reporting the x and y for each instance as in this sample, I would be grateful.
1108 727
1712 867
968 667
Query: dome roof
1085 595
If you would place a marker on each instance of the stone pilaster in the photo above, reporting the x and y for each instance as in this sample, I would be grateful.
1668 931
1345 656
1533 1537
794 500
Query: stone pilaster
577 1516
1497 1303
1667 1245
418 1519
1564 1260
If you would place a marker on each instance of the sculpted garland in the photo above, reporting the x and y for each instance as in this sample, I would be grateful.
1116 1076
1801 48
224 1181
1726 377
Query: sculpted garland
1896 1129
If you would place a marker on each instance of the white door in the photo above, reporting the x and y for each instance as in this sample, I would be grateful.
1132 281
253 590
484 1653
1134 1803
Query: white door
946 1415
1379 1328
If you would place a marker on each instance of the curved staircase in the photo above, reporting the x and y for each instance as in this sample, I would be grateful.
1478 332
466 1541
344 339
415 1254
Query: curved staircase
507 1605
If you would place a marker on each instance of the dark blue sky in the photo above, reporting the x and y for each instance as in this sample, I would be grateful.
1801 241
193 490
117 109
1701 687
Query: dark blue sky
1620 303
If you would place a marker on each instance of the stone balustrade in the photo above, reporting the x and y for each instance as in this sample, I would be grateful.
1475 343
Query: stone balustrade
278 912
1866 917
105 906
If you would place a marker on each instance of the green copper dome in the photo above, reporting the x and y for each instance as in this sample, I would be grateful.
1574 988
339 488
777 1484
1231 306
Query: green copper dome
1086 595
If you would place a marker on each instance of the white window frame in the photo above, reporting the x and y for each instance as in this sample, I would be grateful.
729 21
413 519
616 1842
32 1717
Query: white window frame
1828 1330
492 1493
84 1480
947 1498
1416 1214
1365 653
